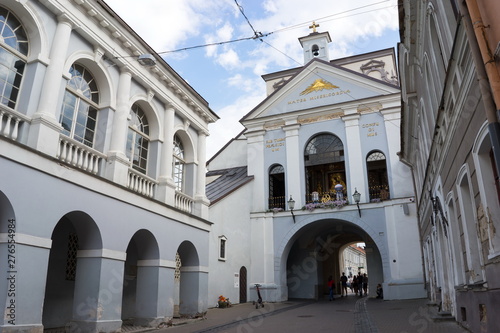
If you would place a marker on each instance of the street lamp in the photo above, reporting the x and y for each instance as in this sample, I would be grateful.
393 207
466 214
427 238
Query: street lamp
291 206
146 60
357 197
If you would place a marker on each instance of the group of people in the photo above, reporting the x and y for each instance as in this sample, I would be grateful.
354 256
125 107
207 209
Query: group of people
358 284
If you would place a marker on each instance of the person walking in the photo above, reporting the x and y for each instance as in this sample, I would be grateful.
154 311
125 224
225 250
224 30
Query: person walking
365 284
343 282
354 284
331 287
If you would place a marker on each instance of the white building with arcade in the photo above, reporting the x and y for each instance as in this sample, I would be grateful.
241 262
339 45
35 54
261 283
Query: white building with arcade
103 213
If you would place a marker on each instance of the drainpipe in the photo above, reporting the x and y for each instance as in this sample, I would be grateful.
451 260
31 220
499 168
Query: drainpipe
489 79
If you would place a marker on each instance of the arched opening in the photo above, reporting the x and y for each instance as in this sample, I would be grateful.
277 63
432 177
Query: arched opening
73 274
277 187
315 50
316 252
324 167
378 184
190 281
243 284
140 281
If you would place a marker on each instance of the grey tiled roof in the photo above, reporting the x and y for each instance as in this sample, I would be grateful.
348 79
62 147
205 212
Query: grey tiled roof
228 181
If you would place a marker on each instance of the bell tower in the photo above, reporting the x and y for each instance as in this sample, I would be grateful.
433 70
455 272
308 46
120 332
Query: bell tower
315 45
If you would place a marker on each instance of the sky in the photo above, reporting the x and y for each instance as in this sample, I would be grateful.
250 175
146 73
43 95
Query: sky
228 76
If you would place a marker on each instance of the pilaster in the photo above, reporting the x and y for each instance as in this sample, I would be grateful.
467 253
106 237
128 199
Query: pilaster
255 162
293 171
356 161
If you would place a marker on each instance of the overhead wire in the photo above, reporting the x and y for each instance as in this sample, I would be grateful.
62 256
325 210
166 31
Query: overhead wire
259 35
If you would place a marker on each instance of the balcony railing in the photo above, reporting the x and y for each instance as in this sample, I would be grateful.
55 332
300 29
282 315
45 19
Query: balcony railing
183 202
311 197
379 193
277 202
140 183
79 155
10 122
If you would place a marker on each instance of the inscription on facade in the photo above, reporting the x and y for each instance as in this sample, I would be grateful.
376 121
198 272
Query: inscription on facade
372 128
275 144
312 98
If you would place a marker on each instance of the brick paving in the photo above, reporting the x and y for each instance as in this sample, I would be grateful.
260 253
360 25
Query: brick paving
350 314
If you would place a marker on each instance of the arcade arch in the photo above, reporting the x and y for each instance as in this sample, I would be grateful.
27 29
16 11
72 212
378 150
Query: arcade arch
72 270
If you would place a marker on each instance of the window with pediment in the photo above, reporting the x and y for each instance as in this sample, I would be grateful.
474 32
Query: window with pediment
13 54
80 105
138 139
324 167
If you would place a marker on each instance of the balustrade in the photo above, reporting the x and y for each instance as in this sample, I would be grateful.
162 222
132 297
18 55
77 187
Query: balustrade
79 155
183 202
140 183
10 122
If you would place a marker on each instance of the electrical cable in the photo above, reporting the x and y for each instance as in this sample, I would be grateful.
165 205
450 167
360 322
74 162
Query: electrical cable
259 35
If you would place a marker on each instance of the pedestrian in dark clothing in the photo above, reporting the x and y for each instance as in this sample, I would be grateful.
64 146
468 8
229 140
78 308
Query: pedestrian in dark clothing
365 284
331 286
355 284
343 282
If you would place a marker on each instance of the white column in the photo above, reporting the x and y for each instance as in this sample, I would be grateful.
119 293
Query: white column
356 162
45 128
168 145
255 162
201 201
202 161
120 122
293 171
118 163
53 76
166 186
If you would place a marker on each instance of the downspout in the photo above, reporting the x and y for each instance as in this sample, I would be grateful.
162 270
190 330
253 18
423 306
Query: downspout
487 74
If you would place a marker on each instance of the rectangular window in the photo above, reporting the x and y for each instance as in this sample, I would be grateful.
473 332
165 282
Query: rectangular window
222 248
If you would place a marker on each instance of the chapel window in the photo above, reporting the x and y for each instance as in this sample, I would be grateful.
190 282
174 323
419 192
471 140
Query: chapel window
13 53
325 167
79 110
138 139
277 187
378 185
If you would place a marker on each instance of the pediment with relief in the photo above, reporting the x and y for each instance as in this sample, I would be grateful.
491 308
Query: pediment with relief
320 86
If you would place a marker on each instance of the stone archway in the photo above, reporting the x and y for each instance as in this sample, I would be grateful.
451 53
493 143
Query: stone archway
73 275
315 254
312 242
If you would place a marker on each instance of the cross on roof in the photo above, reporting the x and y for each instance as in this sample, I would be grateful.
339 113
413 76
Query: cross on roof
314 26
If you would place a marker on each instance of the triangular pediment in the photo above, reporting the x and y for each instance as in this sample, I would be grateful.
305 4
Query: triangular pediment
320 84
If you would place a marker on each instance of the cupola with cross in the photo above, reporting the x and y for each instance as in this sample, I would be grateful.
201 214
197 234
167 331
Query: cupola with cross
315 44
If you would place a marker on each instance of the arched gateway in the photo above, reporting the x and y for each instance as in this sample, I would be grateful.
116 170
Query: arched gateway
310 251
